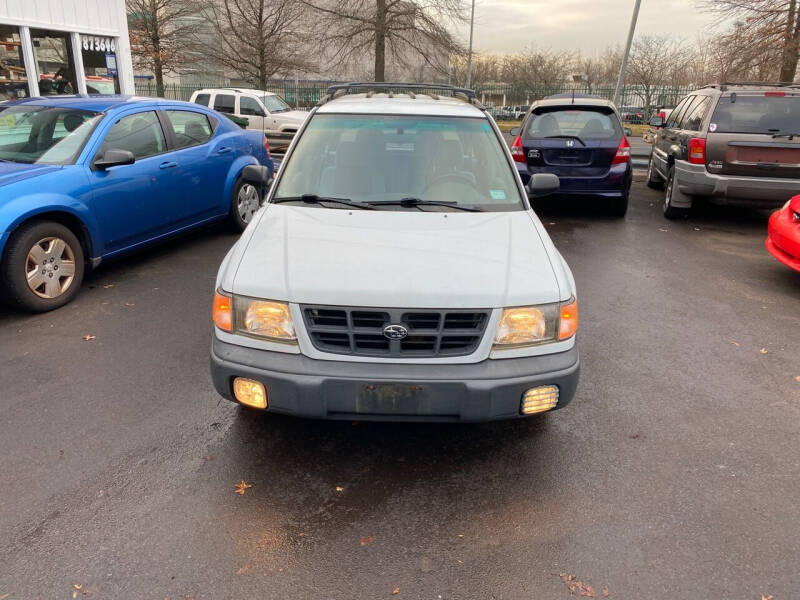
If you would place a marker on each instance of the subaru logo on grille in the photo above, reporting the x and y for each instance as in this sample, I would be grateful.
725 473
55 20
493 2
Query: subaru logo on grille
394 332
570 143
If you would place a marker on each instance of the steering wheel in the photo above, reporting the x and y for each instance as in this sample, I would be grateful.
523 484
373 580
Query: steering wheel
450 178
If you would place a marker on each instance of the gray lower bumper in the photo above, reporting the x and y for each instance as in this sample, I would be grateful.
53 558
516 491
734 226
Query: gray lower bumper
695 180
305 387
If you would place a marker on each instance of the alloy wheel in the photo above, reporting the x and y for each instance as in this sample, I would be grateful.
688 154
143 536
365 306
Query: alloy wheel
247 202
50 267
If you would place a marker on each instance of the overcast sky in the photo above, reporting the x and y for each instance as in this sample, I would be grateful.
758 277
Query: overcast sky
588 25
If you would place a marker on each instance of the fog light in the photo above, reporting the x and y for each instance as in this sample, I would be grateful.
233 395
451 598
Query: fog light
249 392
539 399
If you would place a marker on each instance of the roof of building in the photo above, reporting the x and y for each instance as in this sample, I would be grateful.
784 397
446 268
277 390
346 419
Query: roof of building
401 104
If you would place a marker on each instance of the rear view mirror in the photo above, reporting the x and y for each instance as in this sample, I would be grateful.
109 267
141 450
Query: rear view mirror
257 175
656 122
114 158
514 131
543 184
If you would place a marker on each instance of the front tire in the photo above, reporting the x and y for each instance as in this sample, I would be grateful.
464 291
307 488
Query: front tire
43 267
245 203
670 211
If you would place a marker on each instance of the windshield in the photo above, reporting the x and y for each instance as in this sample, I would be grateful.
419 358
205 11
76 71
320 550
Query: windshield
372 158
275 104
585 123
757 114
41 134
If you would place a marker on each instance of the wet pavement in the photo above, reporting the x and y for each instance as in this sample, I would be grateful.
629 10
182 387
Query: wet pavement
673 474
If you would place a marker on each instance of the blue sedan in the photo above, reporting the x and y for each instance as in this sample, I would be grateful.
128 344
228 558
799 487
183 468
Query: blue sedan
90 177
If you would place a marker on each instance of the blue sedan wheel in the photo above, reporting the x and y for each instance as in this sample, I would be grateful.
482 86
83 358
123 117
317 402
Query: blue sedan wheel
43 266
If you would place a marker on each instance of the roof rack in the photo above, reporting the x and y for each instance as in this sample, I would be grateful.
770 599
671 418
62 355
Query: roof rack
726 84
412 89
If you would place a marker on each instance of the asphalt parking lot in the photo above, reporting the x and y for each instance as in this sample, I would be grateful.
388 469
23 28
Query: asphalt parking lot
674 473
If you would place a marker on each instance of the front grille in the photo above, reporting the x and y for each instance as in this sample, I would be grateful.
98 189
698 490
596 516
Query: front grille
359 331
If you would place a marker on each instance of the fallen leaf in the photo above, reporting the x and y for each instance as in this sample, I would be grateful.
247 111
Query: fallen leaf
763 351
735 343
108 286
89 338
339 488
662 229
4 596
764 597
244 569
130 304
394 591
577 587
797 379
76 588
366 540
461 535
242 486
606 593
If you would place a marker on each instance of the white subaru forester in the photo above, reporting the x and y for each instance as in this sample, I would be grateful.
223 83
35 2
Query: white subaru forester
397 271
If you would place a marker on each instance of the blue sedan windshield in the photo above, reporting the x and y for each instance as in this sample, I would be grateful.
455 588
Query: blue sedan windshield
43 134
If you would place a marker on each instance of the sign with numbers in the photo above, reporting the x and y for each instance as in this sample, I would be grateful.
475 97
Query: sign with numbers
94 43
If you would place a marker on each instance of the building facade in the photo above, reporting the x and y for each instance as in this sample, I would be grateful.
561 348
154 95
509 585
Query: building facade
50 47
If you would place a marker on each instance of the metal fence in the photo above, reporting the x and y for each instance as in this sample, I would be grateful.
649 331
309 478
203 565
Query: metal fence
305 94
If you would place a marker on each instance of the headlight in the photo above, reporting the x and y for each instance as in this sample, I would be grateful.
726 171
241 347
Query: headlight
530 325
264 319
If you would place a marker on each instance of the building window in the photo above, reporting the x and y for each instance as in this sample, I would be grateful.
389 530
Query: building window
100 64
55 65
13 80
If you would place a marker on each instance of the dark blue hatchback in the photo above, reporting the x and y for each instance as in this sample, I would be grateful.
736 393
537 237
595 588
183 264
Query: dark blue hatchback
581 140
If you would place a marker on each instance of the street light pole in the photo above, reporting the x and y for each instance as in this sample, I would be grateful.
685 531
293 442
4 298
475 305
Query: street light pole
624 67
469 57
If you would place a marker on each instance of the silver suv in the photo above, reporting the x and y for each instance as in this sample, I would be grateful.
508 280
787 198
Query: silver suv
737 143
397 271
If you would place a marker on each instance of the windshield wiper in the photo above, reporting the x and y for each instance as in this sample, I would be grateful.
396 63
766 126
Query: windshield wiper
566 137
416 202
788 136
315 199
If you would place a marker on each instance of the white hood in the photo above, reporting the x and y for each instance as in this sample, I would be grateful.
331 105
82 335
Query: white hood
292 115
406 259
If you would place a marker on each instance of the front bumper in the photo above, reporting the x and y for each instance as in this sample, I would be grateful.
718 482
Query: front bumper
304 387
767 192
783 238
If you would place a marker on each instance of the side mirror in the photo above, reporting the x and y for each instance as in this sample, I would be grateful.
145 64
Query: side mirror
543 184
656 122
257 175
628 131
114 158
515 131
794 204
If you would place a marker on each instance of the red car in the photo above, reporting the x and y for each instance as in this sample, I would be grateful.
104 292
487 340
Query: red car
783 234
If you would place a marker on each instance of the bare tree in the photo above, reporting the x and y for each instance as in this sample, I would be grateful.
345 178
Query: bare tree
773 24
600 68
538 67
656 60
404 28
160 31
486 69
256 39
